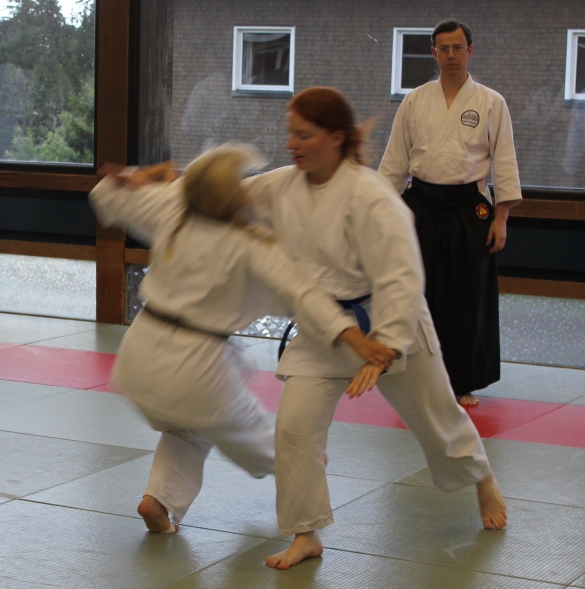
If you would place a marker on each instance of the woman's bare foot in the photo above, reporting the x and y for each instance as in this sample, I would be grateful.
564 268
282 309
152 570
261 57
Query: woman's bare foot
492 506
468 400
306 545
155 516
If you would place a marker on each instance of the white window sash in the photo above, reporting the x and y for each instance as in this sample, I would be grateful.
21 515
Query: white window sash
574 36
397 56
238 59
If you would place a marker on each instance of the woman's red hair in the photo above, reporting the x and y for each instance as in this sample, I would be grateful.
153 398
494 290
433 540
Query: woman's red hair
329 109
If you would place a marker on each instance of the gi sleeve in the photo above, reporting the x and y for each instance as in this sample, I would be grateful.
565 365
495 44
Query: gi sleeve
389 253
141 210
317 314
395 164
503 155
258 207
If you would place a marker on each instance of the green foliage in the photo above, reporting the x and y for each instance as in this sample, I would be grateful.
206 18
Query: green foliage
77 124
46 83
53 149
70 142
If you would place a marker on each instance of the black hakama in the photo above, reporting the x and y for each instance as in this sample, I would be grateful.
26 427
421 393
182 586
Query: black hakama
452 222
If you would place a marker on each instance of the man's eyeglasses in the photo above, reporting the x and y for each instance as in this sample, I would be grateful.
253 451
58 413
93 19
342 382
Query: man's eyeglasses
446 49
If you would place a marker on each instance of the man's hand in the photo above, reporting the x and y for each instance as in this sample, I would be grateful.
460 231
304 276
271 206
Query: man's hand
497 235
498 230
364 380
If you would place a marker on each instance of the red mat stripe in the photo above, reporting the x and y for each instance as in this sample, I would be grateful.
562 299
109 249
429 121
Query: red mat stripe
4 346
562 427
55 366
506 419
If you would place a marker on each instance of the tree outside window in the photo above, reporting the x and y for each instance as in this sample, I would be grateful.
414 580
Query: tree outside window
47 80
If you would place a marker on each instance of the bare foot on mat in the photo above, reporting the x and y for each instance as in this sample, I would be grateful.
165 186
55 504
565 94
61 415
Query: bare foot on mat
306 545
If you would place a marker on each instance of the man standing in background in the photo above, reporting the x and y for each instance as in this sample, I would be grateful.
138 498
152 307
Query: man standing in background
446 135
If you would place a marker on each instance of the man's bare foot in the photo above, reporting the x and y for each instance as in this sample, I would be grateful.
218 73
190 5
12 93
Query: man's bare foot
492 506
469 400
306 545
155 516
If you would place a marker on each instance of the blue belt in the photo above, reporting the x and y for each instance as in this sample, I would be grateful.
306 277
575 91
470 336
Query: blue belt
354 305
361 314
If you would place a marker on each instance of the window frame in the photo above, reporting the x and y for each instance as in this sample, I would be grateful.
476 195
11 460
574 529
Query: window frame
238 44
573 36
396 88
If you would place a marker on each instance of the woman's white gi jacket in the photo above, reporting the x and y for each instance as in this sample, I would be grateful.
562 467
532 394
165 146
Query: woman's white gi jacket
355 236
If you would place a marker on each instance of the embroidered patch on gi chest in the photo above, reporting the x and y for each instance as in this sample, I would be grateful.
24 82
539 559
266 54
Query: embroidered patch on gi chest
470 118
482 211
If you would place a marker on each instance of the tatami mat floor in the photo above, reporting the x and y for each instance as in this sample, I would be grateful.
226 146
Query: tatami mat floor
74 460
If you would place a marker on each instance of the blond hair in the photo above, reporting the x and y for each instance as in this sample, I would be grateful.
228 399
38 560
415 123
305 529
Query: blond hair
211 183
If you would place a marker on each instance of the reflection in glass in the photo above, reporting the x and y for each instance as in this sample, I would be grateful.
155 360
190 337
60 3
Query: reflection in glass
418 65
47 55
580 77
134 275
266 59
47 286
268 326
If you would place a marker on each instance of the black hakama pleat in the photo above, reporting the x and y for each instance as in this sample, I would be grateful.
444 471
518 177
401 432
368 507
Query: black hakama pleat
452 223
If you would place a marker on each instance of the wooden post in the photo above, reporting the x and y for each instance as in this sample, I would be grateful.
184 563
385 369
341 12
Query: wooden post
113 69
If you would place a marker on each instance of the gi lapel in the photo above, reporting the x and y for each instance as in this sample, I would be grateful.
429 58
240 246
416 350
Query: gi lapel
322 224
450 119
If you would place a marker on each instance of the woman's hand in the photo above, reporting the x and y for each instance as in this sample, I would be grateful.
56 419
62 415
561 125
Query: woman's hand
163 172
370 350
364 380
115 171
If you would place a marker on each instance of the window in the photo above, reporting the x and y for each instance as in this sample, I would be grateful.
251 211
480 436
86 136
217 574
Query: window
263 59
412 63
575 72
47 55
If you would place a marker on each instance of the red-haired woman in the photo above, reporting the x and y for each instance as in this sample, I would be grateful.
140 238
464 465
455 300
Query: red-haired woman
353 233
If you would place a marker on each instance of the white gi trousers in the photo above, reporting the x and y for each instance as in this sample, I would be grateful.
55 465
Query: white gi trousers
191 387
176 475
423 398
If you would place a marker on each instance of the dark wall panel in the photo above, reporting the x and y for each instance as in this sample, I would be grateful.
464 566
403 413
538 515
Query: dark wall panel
66 219
541 244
